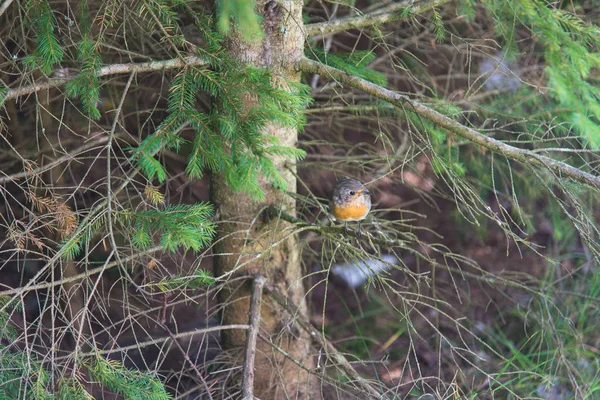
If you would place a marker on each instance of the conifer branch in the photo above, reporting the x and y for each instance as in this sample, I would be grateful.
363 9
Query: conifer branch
389 14
527 157
113 69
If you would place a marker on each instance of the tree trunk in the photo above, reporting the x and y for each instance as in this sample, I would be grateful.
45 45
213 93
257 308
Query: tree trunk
245 239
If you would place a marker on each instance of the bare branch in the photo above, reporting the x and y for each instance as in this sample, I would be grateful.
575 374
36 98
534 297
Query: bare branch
113 69
255 303
84 275
140 345
187 358
389 14
69 156
526 157
4 6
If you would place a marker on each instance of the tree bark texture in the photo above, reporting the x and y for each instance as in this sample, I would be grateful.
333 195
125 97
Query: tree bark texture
246 242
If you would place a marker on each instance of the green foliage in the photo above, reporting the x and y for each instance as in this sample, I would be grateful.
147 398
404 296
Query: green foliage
131 384
111 13
437 23
3 93
281 103
466 8
446 155
71 389
570 54
556 344
188 226
199 279
86 85
355 63
71 247
181 108
230 139
244 13
179 225
212 50
22 373
8 331
532 111
48 51
159 15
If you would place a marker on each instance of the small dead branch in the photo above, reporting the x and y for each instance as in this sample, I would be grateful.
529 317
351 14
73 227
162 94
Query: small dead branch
389 14
156 341
254 321
316 336
4 6
113 69
84 275
72 155
187 357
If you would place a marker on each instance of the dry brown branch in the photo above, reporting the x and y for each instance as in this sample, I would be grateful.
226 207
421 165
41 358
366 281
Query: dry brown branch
526 157
254 321
83 275
141 345
319 338
73 154
5 6
113 69
187 357
389 14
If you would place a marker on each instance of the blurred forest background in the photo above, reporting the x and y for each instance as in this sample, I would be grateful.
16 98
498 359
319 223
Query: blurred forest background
152 188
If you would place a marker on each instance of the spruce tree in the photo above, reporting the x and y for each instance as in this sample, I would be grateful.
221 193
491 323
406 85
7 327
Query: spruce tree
118 116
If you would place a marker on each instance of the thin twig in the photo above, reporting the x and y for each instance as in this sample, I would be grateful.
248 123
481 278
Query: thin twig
109 214
72 155
4 6
272 212
254 321
324 377
140 345
330 349
524 156
83 275
187 358
390 14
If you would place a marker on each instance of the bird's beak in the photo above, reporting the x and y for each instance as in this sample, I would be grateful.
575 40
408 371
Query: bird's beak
366 191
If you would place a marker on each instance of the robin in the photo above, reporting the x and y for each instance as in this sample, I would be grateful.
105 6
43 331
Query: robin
350 201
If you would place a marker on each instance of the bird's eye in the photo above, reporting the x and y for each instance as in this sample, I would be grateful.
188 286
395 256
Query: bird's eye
352 193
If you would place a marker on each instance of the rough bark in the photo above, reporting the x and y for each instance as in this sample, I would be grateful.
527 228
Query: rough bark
243 235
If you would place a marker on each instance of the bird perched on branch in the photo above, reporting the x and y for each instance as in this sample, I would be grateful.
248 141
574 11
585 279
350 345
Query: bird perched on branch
350 201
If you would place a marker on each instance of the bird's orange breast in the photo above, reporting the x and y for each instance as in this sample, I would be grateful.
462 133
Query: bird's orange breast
353 212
